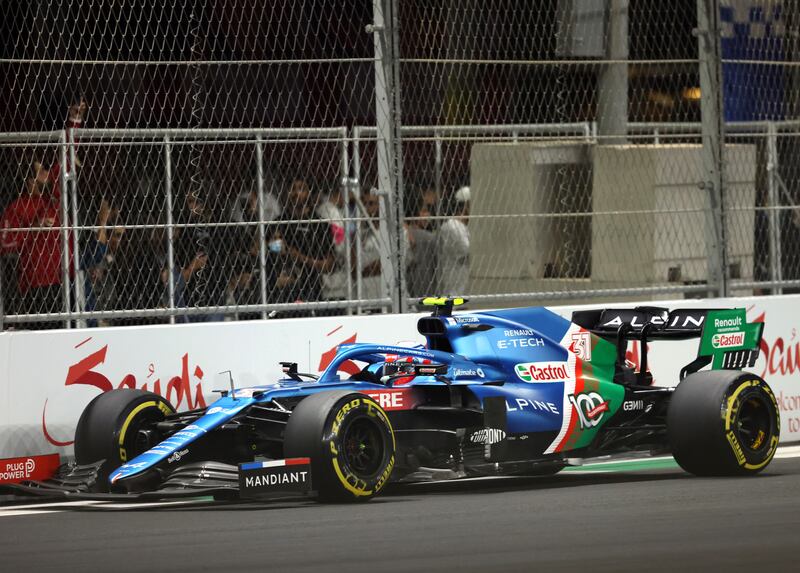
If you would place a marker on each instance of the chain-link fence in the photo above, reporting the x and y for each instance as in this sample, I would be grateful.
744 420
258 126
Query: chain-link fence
230 159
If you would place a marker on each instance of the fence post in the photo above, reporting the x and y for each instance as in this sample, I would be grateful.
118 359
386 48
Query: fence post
773 199
437 162
345 193
170 228
402 293
64 176
390 167
80 295
713 138
612 88
262 233
357 224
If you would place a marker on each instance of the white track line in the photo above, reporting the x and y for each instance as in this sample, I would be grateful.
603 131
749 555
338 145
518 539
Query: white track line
788 452
591 463
56 504
784 452
31 509
113 505
34 508
23 512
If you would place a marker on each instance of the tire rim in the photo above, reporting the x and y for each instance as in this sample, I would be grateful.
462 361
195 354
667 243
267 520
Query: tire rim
363 447
141 434
754 423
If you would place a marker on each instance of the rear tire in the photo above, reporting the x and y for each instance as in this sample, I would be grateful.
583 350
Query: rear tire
109 428
723 423
350 441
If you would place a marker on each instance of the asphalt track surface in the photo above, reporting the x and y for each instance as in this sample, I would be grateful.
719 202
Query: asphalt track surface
650 517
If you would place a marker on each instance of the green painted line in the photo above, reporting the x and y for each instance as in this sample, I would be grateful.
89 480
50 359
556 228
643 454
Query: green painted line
627 466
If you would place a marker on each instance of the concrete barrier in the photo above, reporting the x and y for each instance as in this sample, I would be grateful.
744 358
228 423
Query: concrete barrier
48 377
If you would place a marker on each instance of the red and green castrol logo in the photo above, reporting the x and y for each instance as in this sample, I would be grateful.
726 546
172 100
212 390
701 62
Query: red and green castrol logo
731 340
542 371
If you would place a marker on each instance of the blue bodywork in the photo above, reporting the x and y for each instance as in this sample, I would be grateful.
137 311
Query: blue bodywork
495 342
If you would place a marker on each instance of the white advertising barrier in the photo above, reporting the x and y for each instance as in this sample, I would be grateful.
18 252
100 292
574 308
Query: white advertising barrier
47 378
50 376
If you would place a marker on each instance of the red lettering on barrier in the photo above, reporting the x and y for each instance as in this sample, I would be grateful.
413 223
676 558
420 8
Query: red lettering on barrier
82 373
180 384
780 358
348 366
47 435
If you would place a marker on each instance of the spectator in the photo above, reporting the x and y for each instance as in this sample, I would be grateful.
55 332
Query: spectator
334 283
305 249
76 113
430 201
200 260
421 277
30 233
374 250
370 268
245 206
9 254
30 229
99 262
454 247
186 281
243 285
245 210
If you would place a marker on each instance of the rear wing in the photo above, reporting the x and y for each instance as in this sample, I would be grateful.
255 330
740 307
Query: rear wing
653 322
727 340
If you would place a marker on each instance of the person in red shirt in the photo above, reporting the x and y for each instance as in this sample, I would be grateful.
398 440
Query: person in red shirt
30 228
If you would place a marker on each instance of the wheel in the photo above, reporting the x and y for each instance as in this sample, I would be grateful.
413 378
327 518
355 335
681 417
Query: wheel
350 441
116 427
723 423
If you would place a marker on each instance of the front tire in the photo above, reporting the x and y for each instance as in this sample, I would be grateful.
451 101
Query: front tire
723 423
350 441
111 428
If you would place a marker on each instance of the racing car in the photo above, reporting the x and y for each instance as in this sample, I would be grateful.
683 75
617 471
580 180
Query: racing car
520 391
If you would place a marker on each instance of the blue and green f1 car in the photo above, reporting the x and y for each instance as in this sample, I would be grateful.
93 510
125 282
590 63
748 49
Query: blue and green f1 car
505 392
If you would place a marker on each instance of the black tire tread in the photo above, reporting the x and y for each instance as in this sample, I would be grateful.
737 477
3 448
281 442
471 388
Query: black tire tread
303 439
99 426
694 427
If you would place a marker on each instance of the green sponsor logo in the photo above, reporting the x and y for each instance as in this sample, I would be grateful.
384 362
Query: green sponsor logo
726 331
522 372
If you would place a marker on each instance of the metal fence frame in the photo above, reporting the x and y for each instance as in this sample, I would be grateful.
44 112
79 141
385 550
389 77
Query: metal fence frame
167 138
587 131
350 171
